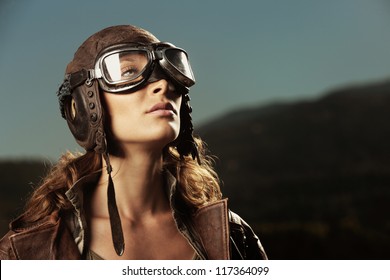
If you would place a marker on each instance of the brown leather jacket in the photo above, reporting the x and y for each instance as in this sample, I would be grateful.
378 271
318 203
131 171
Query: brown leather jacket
214 232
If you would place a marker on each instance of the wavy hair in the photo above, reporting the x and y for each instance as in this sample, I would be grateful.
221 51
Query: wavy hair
197 185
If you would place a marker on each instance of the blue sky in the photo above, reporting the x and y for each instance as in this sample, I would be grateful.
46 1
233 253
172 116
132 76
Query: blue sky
244 53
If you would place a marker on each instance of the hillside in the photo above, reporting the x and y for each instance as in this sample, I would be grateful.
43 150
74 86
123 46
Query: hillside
312 177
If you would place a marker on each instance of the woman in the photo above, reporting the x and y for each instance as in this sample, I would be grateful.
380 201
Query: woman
145 188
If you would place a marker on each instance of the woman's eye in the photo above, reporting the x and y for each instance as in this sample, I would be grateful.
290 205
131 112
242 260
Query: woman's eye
129 72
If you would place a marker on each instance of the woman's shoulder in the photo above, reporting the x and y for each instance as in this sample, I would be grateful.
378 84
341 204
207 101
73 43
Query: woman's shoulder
19 231
244 241
236 219
38 239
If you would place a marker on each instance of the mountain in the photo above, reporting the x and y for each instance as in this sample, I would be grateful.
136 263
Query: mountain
312 177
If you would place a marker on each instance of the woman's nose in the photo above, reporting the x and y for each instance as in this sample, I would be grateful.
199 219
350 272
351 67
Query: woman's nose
161 86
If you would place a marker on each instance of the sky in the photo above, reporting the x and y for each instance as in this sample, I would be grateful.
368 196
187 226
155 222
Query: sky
243 53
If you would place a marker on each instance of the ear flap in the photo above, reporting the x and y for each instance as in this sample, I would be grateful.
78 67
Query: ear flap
83 112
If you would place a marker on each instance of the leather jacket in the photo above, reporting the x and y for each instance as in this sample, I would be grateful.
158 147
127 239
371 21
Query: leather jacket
214 232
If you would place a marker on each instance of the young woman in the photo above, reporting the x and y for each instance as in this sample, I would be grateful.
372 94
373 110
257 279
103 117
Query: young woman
145 188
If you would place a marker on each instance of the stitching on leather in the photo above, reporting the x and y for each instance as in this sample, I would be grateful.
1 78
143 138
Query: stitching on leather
211 205
226 253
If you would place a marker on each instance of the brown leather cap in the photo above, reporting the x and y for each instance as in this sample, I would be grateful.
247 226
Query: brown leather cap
85 56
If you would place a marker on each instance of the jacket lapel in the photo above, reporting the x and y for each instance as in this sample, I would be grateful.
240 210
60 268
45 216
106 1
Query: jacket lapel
211 223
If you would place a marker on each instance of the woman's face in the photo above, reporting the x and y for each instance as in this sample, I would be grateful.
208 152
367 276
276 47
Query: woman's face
148 117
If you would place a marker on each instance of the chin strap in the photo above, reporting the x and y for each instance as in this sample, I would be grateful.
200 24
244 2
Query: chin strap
115 220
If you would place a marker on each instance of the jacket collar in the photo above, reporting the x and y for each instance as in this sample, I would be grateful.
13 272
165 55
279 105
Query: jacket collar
77 222
211 223
206 230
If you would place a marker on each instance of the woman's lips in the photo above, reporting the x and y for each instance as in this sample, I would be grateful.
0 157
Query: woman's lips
162 109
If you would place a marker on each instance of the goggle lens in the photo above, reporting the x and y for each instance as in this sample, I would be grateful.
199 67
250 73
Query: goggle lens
178 59
125 67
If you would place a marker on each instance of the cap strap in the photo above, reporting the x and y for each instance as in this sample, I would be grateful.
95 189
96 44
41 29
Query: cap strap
115 220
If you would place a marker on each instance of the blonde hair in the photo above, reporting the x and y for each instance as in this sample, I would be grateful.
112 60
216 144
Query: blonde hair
197 185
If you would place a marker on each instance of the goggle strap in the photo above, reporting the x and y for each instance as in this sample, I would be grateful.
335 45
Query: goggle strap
78 78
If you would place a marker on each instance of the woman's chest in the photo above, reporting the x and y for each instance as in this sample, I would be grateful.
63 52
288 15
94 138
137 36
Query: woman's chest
150 240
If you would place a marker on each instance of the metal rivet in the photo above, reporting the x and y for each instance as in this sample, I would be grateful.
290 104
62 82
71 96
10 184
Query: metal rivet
94 117
90 93
91 105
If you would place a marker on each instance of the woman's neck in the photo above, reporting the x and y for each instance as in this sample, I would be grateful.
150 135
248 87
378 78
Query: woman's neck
139 185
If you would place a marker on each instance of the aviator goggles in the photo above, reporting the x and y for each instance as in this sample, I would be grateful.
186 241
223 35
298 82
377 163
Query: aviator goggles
125 66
